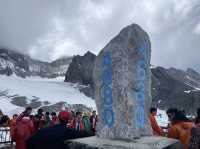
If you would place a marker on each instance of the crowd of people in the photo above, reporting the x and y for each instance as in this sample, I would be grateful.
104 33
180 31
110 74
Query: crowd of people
187 131
46 130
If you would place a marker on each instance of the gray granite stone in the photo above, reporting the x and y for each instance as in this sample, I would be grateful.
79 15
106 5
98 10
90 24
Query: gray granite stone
122 85
142 143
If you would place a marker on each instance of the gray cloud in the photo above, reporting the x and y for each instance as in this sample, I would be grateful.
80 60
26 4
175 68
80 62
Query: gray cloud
48 29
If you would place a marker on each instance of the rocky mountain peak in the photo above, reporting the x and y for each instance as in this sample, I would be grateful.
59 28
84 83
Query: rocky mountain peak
80 69
89 54
193 74
12 62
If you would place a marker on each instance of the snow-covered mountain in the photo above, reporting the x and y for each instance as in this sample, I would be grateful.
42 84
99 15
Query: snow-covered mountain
176 88
170 87
28 82
12 62
51 94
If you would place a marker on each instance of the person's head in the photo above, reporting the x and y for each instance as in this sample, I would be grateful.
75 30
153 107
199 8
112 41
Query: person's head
64 116
47 113
1 113
4 119
73 114
171 113
31 117
153 111
15 116
53 114
37 117
79 115
85 114
94 113
40 111
197 121
28 111
198 112
180 117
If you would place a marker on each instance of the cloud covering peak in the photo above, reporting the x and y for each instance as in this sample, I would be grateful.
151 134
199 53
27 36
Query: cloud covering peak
49 29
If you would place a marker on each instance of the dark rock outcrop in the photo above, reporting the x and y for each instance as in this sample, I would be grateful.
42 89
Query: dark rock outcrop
80 71
175 88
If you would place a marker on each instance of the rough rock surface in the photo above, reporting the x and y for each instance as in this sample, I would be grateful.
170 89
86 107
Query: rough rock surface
122 83
80 69
143 143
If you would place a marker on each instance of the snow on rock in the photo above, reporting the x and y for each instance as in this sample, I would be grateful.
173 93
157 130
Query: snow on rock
195 90
5 63
189 91
51 90
8 108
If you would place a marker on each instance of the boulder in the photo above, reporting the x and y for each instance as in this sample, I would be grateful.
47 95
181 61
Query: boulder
80 69
122 82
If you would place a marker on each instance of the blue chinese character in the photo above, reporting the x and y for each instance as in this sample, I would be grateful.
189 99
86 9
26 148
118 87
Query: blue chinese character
107 95
107 76
106 59
140 86
141 74
141 64
109 117
140 117
140 98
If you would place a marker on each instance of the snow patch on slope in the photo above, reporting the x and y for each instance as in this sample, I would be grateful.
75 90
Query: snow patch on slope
51 90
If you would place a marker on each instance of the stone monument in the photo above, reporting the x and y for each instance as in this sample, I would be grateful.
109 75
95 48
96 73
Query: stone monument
123 85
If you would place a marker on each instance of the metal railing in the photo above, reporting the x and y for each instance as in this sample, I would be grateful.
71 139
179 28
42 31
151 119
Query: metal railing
5 135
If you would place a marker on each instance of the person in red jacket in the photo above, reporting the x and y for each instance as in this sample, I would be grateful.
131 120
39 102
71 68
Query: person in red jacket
156 129
77 123
39 119
13 124
24 129
25 113
54 119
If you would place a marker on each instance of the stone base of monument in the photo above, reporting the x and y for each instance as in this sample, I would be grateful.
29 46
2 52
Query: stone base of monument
142 143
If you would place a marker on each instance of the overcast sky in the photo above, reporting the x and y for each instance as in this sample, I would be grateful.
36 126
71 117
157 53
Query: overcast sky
48 29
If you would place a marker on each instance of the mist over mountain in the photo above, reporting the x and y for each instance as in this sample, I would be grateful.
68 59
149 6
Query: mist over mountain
12 62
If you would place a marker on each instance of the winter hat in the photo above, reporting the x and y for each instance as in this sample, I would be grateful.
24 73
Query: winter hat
64 116
86 114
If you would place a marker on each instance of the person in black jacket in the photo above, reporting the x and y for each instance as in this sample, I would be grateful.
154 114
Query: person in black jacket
195 133
55 136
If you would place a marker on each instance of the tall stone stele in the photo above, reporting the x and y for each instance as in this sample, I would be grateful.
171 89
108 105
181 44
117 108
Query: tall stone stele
122 85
